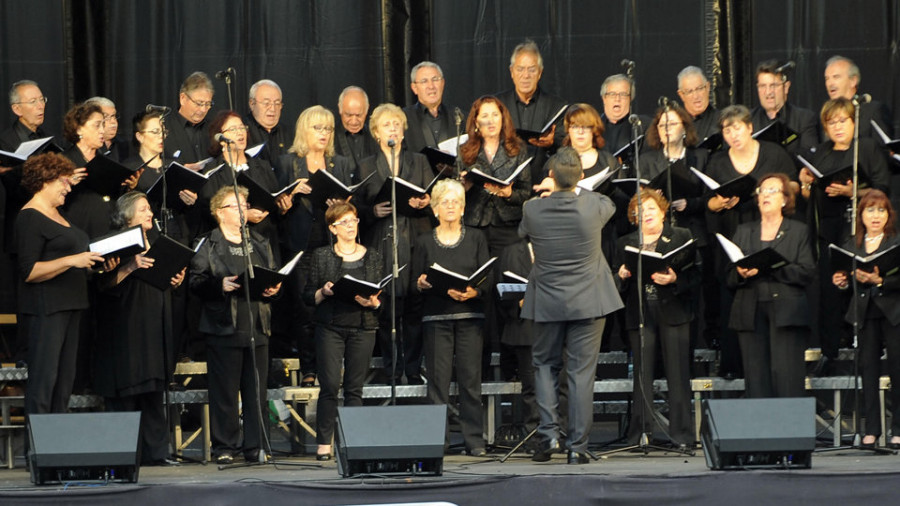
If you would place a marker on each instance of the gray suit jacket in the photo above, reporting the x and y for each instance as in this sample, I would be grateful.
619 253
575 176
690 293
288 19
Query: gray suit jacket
570 279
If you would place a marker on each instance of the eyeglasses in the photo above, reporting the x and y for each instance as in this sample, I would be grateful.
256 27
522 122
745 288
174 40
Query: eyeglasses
265 104
435 80
33 101
580 128
111 117
622 95
155 131
205 105
526 70
836 122
450 203
875 210
243 206
770 86
323 128
346 222
699 89
236 129
768 191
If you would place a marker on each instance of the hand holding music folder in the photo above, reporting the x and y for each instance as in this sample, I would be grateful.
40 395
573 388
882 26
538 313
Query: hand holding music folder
170 257
765 260
348 287
261 198
178 178
105 176
741 186
527 135
479 177
405 191
325 186
265 278
596 182
442 279
121 243
887 261
839 175
652 261
444 153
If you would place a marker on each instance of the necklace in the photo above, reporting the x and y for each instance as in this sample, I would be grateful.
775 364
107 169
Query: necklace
344 253
873 239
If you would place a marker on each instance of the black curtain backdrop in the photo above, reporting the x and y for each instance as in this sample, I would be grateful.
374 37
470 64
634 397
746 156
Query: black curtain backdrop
139 52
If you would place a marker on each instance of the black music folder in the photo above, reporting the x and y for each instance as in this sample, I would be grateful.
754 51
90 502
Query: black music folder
265 278
839 175
442 279
741 186
887 261
179 177
348 287
766 259
479 177
405 191
26 150
527 135
652 261
261 198
169 257
776 132
105 176
121 243
325 186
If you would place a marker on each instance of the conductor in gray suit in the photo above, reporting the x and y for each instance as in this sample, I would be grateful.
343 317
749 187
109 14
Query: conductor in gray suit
570 291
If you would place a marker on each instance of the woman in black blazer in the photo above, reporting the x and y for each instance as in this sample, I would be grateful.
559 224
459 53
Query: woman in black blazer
770 311
667 317
877 311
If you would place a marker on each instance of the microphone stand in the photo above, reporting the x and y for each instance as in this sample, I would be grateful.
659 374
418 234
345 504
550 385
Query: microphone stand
229 86
669 163
395 261
854 197
457 165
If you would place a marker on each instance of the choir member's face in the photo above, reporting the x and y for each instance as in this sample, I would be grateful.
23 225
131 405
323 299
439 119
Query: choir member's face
653 216
772 91
581 137
195 104
694 93
838 82
318 135
671 128
110 117
617 100
228 213
143 215
450 207
266 106
30 107
525 72
489 120
353 111
389 127
151 138
737 134
874 218
235 129
57 190
428 87
839 128
91 132
770 196
345 227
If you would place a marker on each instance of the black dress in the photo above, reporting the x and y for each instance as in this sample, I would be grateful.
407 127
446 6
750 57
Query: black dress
89 210
50 311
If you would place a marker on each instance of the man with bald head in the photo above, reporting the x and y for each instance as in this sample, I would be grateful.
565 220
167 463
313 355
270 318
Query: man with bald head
351 137
264 121
842 79
693 90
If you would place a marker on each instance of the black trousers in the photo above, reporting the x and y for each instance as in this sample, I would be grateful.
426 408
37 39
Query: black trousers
773 357
337 346
409 337
154 431
461 339
52 349
876 334
230 371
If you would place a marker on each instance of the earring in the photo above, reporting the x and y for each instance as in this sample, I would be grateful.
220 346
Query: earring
79 136
782 204
476 130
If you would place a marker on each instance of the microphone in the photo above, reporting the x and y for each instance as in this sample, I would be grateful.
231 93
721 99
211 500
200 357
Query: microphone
784 68
627 64
458 115
663 102
865 98
222 74
391 143
634 119
222 138
158 108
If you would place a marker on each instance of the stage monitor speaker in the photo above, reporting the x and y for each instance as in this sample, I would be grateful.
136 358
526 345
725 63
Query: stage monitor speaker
84 447
390 440
758 433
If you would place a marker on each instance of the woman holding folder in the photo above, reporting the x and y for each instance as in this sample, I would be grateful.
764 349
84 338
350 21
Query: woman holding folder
453 320
770 312
217 278
877 310
345 326
135 341
667 316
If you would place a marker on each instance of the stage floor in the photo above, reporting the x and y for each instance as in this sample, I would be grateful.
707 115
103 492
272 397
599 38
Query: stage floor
847 477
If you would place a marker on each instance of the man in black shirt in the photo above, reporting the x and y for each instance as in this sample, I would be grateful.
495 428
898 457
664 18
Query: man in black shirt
351 137
693 89
265 121
618 94
187 133
842 79
115 146
772 87
430 120
28 104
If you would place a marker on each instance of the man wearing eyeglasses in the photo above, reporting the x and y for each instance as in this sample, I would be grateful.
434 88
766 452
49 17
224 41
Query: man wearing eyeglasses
617 92
187 135
351 137
693 89
772 86
265 123
430 120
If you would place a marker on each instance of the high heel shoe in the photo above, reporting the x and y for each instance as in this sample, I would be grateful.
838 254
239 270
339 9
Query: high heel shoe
871 444
323 453
309 380
894 444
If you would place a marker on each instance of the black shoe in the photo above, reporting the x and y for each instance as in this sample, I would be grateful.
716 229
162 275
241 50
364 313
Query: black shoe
309 380
323 457
477 452
578 458
224 459
415 380
894 444
545 451
164 463
251 455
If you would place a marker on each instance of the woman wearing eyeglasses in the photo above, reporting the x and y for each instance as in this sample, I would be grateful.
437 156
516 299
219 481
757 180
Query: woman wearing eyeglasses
770 312
877 311
829 204
216 279
345 330
388 125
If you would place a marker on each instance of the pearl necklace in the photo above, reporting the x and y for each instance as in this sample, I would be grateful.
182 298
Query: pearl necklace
873 239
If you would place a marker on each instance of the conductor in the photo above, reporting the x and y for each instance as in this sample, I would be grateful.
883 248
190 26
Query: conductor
570 291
